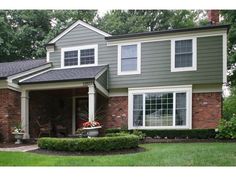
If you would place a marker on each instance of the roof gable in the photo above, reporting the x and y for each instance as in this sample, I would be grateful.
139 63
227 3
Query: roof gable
79 22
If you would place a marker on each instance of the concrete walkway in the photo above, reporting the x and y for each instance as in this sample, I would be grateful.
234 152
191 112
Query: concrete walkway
20 149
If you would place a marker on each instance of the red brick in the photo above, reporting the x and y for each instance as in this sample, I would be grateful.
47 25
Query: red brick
206 111
9 112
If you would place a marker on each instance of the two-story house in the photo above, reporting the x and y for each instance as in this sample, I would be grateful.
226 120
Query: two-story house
168 79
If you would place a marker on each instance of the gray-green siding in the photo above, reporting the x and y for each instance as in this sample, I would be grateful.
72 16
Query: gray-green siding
155 60
103 80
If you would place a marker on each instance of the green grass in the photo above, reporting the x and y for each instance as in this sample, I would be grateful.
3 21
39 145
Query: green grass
189 154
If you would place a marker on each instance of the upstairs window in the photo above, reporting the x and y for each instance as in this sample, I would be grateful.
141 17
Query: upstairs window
129 59
183 55
80 56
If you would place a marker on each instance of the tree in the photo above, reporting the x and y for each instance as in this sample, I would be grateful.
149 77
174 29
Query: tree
24 33
230 18
129 21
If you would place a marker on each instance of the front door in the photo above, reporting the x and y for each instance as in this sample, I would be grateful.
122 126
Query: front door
81 108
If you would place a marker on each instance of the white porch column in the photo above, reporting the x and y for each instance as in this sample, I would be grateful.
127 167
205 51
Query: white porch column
25 113
92 100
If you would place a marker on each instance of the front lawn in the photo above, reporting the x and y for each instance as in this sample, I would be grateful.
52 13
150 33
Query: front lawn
189 154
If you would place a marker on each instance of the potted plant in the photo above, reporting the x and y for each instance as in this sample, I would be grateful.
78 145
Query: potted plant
92 128
18 132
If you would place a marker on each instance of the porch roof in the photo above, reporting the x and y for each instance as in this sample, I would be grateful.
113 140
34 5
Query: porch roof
62 75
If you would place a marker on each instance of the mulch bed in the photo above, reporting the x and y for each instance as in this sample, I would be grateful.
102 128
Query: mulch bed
154 140
64 153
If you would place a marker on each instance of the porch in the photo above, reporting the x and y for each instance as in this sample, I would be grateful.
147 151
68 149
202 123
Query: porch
61 111
62 103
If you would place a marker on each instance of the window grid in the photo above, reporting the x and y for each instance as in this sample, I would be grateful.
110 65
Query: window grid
71 58
160 109
183 53
87 56
129 58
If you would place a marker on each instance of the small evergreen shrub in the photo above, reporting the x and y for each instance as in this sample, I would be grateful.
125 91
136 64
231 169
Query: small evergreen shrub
227 128
99 144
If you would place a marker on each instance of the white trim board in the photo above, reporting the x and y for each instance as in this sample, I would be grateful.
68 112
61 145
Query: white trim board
166 37
79 22
174 90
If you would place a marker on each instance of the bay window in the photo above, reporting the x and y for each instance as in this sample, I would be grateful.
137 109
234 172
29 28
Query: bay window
158 108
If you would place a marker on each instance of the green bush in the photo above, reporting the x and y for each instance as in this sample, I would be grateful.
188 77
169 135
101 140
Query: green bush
227 129
89 144
193 133
229 105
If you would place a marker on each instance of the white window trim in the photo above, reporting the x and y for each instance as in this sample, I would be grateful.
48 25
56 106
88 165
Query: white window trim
174 89
78 48
194 48
138 71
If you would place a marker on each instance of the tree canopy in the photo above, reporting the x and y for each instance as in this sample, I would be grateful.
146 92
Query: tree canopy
24 33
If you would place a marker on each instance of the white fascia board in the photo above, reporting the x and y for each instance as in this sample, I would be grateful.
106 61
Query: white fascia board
224 44
79 22
166 37
102 89
53 85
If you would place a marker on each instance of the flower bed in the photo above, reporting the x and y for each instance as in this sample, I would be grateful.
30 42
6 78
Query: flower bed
100 144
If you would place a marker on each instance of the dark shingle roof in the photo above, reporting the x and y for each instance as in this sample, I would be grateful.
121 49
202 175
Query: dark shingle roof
151 33
11 68
70 74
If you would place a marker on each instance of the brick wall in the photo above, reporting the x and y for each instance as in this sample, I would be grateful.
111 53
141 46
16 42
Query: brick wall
116 112
207 109
9 112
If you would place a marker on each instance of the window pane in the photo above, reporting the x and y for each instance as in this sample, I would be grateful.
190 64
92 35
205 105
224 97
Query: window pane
183 60
129 64
71 58
87 56
129 51
129 58
183 53
159 109
138 110
180 118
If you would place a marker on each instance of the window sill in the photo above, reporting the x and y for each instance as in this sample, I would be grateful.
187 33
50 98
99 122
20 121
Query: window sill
128 73
183 69
161 128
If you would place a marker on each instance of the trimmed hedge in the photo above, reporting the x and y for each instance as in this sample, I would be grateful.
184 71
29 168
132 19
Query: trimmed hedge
193 133
89 144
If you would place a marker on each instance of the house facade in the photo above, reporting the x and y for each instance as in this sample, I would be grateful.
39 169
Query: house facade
154 80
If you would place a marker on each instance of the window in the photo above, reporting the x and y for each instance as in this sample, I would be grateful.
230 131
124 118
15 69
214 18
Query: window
129 59
71 58
79 56
86 56
160 109
183 55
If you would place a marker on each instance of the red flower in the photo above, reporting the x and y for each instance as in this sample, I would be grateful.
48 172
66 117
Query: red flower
91 124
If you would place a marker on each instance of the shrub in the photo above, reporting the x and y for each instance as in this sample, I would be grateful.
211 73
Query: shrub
89 144
139 133
227 129
193 133
229 105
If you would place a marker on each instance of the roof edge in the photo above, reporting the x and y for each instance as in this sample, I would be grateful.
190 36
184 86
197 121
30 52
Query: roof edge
151 33
72 26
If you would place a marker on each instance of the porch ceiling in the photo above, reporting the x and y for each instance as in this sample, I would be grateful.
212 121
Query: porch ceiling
62 75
